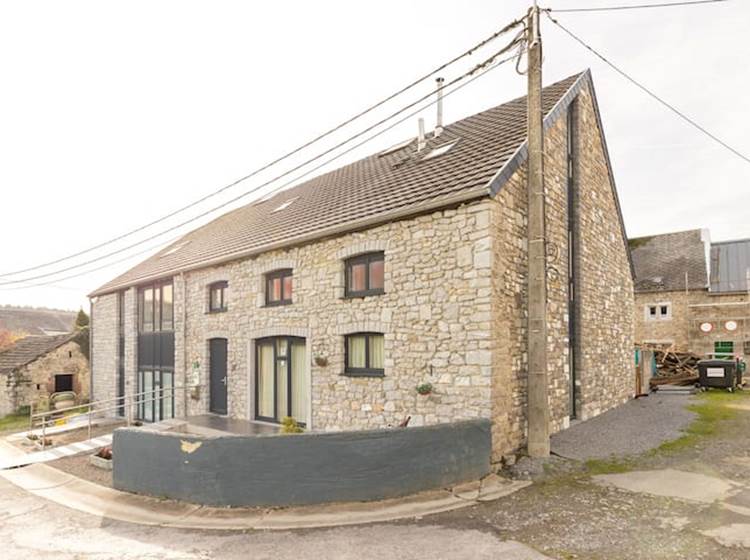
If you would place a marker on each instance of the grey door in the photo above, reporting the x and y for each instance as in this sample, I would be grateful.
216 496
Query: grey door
218 375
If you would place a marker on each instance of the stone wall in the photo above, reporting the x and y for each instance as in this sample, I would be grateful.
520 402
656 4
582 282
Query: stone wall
36 381
104 347
435 315
605 288
605 368
688 311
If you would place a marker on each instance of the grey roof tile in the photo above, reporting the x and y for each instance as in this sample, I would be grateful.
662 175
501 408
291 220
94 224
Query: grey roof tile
374 189
30 348
662 261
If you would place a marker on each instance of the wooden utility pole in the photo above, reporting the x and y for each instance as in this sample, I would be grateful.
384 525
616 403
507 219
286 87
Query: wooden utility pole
538 403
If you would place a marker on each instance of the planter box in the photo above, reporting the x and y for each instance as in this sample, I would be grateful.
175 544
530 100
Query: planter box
100 463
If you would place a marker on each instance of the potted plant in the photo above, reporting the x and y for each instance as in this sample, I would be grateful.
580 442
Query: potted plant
289 426
102 459
424 388
65 399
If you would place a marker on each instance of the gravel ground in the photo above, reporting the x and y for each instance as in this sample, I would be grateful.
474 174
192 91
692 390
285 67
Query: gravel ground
81 467
630 429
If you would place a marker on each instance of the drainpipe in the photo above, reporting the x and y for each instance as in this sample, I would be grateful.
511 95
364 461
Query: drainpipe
183 281
91 350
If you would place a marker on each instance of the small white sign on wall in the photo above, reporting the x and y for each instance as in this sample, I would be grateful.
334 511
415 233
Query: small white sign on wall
714 372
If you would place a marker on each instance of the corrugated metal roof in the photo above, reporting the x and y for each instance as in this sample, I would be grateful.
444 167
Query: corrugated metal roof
730 263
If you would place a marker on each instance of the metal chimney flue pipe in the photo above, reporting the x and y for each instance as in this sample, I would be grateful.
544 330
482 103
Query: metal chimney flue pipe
421 142
439 122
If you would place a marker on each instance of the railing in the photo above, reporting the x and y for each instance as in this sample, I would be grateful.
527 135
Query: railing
128 405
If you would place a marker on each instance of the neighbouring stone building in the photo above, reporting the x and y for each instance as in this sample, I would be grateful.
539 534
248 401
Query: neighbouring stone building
35 367
692 294
333 300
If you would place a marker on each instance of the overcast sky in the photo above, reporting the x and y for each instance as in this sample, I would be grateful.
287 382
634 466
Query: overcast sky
113 114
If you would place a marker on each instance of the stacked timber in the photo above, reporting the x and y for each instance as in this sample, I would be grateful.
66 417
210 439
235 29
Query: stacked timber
677 368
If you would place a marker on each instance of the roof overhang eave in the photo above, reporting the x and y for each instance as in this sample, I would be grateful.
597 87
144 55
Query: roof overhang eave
370 221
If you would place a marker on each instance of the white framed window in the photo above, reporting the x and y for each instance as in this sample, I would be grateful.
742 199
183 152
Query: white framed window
661 311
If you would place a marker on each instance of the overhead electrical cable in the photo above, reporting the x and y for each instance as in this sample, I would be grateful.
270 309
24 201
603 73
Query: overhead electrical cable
649 92
633 7
469 52
518 40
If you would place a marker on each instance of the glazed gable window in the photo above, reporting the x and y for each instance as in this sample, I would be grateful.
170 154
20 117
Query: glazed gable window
217 297
365 355
279 286
364 275
156 308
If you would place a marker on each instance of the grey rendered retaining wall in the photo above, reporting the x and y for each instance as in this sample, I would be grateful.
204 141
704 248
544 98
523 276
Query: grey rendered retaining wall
300 469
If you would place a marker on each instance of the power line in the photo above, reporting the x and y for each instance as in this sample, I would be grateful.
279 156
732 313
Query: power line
643 88
482 67
635 6
287 155
101 267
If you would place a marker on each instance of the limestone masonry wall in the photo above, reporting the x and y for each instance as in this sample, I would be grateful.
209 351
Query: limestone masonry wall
453 313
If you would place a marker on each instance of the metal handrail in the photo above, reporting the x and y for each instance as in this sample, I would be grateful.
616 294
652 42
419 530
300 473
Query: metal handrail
44 419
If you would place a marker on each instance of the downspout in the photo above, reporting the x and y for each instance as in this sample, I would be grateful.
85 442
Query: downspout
183 281
91 350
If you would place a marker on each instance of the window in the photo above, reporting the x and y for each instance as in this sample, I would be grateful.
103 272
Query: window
659 312
364 275
279 287
365 354
724 349
281 386
217 297
156 308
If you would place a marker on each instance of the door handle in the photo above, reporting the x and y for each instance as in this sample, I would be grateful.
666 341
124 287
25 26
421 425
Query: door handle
224 380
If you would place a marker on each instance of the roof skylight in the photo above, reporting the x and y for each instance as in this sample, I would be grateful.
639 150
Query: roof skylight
396 147
440 150
174 249
284 204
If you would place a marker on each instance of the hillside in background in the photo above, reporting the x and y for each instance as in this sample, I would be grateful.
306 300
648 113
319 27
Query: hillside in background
31 320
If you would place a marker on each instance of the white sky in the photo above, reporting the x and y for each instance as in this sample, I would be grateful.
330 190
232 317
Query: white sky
115 113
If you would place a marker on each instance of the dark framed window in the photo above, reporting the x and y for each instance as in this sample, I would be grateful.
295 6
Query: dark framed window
364 275
156 307
279 286
365 355
217 297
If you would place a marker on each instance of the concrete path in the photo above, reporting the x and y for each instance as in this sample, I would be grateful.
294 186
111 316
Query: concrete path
694 487
13 460
32 527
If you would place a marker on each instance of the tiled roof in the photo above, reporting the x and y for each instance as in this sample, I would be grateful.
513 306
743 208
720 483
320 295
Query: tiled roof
28 349
376 189
662 261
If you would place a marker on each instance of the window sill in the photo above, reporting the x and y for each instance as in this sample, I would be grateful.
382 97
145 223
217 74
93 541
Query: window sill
355 295
371 373
277 303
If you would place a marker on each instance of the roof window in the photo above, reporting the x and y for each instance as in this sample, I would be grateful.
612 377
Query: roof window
284 204
440 150
396 147
175 248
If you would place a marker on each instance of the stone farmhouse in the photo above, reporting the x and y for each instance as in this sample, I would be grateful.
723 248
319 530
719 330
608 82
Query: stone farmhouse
35 367
332 301
692 294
